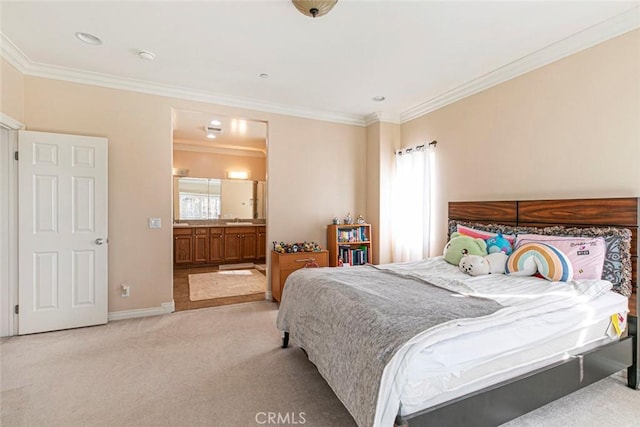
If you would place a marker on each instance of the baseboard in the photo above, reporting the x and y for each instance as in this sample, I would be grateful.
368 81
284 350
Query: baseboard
165 308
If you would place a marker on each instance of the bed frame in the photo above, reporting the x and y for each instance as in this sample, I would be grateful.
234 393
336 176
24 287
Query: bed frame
510 399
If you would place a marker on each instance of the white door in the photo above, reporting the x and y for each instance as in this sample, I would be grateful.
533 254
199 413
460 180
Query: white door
62 231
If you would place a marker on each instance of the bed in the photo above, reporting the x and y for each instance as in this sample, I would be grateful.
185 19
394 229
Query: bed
391 360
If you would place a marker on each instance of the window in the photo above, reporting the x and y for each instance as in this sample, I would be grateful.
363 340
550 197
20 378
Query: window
412 203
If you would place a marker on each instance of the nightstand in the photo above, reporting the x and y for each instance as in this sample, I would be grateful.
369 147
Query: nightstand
283 264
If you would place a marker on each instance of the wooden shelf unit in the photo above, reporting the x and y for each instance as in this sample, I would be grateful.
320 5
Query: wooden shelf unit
336 233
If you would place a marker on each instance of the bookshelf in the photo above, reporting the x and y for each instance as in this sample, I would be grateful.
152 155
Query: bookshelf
352 241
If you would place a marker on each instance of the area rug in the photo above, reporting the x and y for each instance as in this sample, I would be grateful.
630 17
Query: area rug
227 283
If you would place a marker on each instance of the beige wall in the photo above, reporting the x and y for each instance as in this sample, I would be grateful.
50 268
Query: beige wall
569 129
11 91
382 140
315 171
213 165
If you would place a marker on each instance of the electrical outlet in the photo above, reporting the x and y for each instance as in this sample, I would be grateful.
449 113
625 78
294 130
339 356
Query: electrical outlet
125 290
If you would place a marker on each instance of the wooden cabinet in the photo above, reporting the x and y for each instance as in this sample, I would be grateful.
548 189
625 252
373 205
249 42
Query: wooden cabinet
351 242
261 250
182 246
282 265
240 244
200 245
217 245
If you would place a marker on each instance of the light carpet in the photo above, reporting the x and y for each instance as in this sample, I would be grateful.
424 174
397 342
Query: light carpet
227 283
219 366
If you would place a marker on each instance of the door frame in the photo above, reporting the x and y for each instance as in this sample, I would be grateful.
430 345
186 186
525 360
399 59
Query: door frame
9 211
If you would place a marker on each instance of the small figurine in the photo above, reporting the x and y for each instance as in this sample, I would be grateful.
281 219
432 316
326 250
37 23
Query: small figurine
348 220
361 219
336 220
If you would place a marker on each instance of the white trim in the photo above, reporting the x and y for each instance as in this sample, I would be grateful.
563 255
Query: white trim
9 226
10 123
584 39
165 308
620 24
19 60
381 116
180 146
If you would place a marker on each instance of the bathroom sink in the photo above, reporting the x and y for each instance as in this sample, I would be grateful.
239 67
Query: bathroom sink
239 223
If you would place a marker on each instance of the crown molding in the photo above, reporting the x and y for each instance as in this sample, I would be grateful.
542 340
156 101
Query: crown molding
18 59
10 123
618 25
186 146
381 116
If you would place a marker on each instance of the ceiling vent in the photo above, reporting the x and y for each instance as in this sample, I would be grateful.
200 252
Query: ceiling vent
213 129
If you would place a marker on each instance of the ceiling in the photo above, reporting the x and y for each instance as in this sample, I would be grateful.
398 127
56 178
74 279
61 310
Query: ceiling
237 136
419 55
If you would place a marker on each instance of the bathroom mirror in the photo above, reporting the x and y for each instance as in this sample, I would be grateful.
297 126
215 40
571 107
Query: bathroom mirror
209 198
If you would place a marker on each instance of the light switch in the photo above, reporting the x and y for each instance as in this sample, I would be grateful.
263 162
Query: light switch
155 223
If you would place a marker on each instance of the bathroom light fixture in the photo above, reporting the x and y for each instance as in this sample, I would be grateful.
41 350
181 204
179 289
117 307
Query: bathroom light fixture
237 174
314 8
88 38
215 122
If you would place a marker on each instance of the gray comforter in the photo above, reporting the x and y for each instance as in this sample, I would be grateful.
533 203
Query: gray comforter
351 321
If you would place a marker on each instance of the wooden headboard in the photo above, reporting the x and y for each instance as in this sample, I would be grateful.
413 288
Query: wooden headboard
610 212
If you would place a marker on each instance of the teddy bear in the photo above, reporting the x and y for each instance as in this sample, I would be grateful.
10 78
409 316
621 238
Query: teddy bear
498 243
476 265
460 245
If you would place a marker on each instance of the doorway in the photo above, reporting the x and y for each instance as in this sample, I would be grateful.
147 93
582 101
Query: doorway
219 209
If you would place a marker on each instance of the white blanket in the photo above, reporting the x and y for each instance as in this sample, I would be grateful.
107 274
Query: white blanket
523 297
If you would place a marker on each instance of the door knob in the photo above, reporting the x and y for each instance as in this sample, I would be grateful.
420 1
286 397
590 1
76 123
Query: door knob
99 241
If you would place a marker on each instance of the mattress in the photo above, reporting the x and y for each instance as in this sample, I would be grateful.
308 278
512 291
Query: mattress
424 374
456 367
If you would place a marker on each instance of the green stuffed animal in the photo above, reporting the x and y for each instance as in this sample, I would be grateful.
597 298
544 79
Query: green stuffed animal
460 245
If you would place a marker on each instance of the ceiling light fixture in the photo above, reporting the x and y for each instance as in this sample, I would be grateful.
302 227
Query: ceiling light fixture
379 98
89 38
216 122
314 8
264 76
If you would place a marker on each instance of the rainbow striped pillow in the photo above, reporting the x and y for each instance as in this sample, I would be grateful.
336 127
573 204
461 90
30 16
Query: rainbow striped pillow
531 258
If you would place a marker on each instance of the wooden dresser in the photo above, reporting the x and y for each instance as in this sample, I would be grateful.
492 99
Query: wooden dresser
282 265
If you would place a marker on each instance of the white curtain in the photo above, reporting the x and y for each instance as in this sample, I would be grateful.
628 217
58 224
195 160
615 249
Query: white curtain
411 198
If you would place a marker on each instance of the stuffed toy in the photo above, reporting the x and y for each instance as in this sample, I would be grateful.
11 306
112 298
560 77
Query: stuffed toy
460 245
537 257
475 265
498 244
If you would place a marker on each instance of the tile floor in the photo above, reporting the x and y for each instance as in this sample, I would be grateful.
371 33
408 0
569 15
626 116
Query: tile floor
181 291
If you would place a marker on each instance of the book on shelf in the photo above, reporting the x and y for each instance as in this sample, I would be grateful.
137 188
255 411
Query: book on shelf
352 255
358 234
